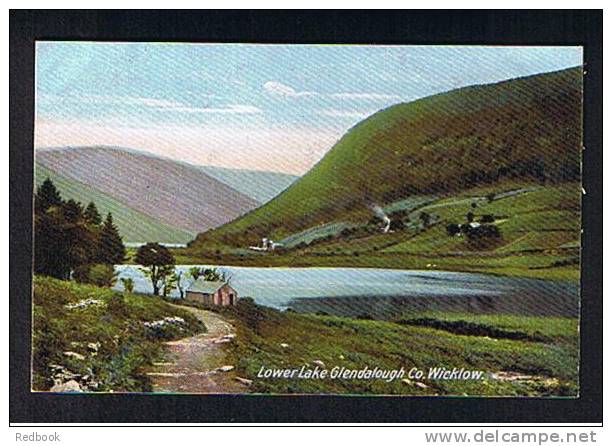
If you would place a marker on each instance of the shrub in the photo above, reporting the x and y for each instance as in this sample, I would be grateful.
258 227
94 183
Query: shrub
483 236
453 229
102 275
128 284
487 218
117 307
396 225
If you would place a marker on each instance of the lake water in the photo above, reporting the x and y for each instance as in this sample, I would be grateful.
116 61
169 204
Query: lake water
383 293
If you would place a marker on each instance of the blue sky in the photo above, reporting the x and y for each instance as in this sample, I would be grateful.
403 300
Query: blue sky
266 107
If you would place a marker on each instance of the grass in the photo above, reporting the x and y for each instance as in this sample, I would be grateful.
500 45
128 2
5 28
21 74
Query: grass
273 339
539 226
133 225
554 330
104 346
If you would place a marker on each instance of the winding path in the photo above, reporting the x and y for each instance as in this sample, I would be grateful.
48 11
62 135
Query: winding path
194 364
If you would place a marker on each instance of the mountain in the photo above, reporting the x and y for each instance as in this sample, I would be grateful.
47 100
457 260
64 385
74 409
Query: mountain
259 185
134 226
521 129
175 194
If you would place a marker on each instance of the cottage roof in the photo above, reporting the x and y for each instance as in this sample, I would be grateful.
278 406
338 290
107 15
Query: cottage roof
206 286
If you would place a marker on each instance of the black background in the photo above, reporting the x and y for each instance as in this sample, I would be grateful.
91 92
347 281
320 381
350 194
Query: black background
369 27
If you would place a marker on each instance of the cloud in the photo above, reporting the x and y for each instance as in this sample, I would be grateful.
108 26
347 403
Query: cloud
366 96
335 113
280 89
239 109
164 105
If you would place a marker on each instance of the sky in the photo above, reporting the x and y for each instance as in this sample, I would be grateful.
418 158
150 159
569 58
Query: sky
262 107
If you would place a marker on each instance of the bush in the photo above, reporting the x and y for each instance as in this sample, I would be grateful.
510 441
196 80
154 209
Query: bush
397 225
453 229
116 306
483 236
487 218
100 275
128 284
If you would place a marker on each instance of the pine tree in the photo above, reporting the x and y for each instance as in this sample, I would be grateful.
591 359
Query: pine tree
110 247
73 212
47 195
92 215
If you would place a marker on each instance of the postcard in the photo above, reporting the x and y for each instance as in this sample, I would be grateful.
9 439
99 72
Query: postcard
307 219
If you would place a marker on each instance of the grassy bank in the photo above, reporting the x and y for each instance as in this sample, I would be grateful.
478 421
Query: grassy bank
520 356
539 230
101 339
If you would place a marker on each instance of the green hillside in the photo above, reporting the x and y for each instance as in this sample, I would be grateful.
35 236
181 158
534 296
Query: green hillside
260 185
504 156
523 130
133 225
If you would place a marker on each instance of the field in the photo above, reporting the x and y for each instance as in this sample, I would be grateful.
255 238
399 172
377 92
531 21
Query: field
99 338
539 226
519 356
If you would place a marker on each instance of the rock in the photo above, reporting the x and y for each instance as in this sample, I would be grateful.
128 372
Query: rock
283 345
74 355
229 336
244 381
319 363
68 387
415 383
226 368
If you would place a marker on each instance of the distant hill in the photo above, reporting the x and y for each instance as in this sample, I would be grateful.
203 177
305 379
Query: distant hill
522 129
134 226
178 195
260 185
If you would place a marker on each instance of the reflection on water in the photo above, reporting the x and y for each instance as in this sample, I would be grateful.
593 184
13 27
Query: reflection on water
384 293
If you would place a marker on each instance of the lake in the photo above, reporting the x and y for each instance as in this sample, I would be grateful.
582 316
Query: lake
384 293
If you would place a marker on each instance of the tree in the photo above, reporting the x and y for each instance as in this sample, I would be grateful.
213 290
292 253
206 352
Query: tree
63 242
453 229
469 217
102 275
169 283
195 272
179 284
209 274
425 219
214 275
483 237
73 212
110 248
158 264
48 195
128 284
92 215
491 197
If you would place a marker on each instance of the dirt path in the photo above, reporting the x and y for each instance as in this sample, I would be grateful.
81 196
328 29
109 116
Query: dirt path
193 365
